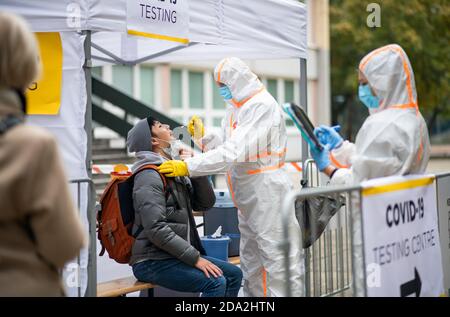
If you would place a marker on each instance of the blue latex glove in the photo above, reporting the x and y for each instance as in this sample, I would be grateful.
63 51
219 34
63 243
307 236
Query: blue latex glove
329 135
322 157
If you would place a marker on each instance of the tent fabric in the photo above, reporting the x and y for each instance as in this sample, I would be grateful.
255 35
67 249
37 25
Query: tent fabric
50 15
68 128
251 29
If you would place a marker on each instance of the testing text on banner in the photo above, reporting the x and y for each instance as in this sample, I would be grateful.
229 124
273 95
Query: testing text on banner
159 19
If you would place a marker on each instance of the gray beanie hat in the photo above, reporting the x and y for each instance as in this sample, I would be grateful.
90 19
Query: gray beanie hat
139 137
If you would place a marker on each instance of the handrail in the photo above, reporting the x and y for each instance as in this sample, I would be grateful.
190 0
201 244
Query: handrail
125 102
109 120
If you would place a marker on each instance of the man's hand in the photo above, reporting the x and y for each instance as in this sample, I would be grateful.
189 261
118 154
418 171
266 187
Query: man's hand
173 168
196 128
208 267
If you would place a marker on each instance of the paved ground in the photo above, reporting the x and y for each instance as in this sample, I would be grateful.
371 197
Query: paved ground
441 150
437 166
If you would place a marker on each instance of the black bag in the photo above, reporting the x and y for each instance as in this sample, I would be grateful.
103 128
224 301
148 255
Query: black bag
314 213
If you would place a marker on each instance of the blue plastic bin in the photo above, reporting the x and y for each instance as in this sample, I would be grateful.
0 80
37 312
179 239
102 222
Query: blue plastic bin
224 214
216 247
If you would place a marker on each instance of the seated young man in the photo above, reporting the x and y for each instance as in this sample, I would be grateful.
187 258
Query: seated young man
168 250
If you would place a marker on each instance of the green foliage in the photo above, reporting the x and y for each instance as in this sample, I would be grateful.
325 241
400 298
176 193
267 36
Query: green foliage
421 27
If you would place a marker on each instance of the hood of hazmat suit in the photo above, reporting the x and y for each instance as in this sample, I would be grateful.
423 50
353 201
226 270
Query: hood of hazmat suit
251 153
394 138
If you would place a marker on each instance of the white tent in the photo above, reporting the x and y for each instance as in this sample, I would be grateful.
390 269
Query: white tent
94 32
248 29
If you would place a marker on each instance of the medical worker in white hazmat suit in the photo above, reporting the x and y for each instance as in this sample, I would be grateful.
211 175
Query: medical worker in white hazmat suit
251 150
394 138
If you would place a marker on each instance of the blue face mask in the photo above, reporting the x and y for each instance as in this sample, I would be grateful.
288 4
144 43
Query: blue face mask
367 98
225 93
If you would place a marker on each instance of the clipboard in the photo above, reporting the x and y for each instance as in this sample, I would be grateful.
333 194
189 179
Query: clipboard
301 120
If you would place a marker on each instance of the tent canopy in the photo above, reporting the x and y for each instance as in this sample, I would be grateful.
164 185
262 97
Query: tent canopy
250 29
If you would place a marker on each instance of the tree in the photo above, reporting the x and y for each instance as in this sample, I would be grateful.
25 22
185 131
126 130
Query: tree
421 27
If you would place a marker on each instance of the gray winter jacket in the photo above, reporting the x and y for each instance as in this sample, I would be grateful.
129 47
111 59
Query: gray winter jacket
162 216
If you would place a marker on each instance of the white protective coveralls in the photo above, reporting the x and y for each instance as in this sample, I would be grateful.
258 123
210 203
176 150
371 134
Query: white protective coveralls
394 138
251 150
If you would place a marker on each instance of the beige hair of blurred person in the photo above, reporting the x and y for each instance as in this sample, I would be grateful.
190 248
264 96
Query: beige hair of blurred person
19 61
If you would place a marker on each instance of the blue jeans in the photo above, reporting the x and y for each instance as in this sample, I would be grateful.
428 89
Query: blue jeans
178 276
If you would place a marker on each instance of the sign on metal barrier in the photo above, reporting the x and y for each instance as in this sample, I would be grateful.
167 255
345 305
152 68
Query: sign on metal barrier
401 237
443 197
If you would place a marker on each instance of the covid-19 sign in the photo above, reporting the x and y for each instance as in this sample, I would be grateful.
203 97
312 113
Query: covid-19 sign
402 253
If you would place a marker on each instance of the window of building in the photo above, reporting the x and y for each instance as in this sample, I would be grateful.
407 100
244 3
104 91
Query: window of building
123 78
288 91
97 71
196 90
147 85
217 122
289 97
175 89
218 102
272 88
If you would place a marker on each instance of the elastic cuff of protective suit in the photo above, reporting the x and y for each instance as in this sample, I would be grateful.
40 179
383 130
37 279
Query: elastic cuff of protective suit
339 145
333 172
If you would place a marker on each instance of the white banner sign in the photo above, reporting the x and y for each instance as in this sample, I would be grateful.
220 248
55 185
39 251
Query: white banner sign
159 19
401 237
443 194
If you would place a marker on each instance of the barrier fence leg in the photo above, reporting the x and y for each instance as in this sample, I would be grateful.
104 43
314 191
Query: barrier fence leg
357 245
307 274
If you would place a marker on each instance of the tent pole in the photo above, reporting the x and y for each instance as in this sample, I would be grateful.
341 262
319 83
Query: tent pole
91 290
170 50
304 105
104 59
116 58
304 181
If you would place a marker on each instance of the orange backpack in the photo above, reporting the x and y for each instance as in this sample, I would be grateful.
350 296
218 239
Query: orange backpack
116 217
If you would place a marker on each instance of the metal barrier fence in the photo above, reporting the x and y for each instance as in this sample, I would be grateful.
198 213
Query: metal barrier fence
333 265
90 213
327 261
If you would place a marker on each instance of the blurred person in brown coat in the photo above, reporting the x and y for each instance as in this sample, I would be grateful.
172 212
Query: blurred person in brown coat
39 227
